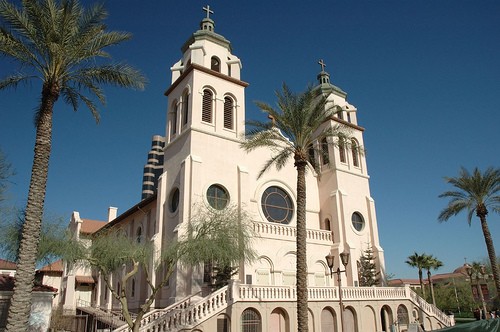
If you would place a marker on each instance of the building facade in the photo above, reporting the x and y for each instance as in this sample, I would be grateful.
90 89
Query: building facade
203 164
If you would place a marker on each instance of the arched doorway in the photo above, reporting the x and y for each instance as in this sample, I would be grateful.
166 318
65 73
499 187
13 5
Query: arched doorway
350 320
328 320
279 321
386 318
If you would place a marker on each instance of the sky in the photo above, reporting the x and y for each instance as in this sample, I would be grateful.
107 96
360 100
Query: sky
424 76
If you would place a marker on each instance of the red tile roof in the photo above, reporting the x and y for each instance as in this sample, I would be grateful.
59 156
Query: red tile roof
91 226
56 266
7 284
7 265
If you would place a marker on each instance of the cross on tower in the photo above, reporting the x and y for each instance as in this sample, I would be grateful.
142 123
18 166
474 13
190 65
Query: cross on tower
207 9
322 64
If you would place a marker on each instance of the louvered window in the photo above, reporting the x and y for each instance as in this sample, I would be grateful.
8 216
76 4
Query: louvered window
342 150
206 113
324 151
185 109
228 113
173 121
355 153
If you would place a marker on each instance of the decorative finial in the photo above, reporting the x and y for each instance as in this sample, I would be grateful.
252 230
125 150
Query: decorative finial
207 9
322 64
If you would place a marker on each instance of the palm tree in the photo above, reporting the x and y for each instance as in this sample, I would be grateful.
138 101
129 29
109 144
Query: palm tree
476 193
431 262
60 44
418 261
299 121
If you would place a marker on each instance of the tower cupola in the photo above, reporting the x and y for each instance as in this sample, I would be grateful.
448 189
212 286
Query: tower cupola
207 23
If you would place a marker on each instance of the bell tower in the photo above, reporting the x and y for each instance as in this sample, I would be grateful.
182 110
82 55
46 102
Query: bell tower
206 94
347 208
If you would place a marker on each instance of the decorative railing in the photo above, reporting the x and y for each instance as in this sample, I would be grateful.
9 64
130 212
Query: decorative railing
430 309
185 314
176 317
280 231
154 315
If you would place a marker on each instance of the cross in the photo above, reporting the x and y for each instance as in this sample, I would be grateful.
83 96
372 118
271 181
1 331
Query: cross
207 9
322 64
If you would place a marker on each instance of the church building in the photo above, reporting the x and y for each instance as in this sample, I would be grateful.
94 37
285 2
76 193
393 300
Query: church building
199 161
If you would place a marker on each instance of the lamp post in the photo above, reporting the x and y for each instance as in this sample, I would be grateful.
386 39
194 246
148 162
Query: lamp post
344 257
470 272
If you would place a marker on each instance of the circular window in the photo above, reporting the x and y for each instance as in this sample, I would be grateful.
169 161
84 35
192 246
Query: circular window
217 197
357 221
174 200
277 205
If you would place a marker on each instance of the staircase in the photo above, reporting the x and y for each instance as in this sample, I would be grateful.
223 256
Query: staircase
185 315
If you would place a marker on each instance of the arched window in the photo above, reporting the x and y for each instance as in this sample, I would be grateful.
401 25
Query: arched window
133 288
215 64
326 225
138 234
342 150
173 120
355 153
228 113
324 151
206 111
250 321
185 109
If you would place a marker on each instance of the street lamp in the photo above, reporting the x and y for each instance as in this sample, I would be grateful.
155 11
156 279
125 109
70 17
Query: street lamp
344 257
470 272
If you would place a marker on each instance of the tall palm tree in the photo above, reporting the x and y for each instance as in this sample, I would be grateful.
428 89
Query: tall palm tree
431 262
62 45
299 121
418 261
476 193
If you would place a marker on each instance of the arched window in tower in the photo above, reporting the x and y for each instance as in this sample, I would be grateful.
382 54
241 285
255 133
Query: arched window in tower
228 113
206 111
324 151
355 153
215 64
185 109
173 119
342 150
138 235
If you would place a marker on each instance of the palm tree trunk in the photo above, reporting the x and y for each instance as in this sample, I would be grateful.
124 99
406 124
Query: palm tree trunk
491 253
431 287
421 279
302 314
20 305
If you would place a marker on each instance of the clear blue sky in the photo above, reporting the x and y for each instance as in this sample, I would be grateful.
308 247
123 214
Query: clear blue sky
424 75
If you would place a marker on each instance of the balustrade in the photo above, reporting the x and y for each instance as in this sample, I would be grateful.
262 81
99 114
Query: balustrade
283 231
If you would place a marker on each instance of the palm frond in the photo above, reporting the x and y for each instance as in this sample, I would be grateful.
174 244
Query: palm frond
13 81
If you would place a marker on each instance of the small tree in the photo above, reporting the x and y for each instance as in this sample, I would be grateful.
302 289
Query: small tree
368 274
221 237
